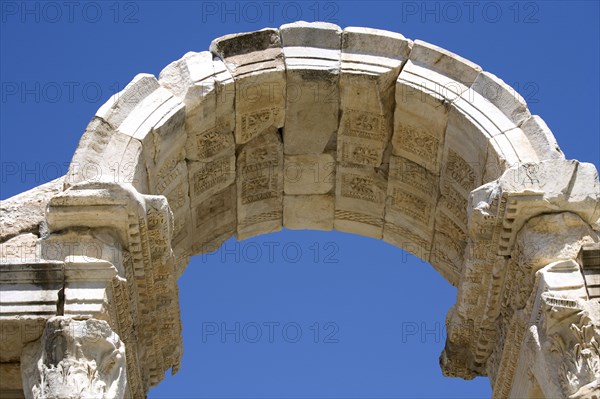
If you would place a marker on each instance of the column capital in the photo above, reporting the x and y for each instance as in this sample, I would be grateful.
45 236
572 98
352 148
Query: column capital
75 358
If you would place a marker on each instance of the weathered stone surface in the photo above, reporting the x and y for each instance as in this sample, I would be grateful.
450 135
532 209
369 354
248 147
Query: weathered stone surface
255 60
87 288
447 248
214 220
371 61
444 64
119 138
420 119
567 185
30 294
10 379
19 248
308 212
483 121
74 359
105 155
207 90
308 174
206 87
508 243
260 186
312 60
360 193
539 243
504 97
460 173
24 213
541 138
181 76
412 194
120 105
208 178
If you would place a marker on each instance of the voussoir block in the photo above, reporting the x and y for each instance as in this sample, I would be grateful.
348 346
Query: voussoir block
360 193
309 174
312 60
260 186
255 60
371 62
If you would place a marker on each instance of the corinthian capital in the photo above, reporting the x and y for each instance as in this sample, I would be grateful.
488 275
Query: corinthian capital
74 359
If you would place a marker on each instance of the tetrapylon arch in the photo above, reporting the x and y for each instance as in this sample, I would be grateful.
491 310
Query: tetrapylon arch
311 126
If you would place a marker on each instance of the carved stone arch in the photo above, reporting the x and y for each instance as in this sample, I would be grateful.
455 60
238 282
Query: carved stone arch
422 127
376 134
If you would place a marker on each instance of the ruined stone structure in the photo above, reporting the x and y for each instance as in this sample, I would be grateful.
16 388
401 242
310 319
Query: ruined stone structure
305 127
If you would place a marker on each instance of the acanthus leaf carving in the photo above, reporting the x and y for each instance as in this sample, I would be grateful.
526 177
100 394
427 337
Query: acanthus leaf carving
75 359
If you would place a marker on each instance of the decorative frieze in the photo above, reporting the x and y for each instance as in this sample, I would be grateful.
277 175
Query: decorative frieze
260 186
360 200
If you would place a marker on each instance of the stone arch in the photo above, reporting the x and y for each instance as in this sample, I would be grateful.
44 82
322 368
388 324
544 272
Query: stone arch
313 127
354 107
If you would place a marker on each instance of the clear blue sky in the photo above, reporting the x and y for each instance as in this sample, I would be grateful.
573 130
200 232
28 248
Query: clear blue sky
379 312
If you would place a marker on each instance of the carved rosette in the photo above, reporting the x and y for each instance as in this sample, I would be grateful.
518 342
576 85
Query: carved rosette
75 359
